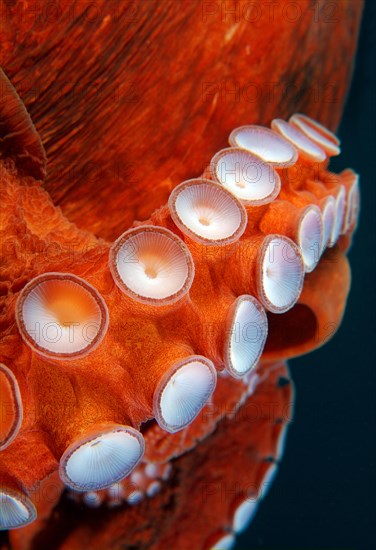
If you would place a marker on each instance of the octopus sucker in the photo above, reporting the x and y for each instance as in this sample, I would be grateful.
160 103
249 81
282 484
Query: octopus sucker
338 193
146 324
318 133
308 149
152 265
310 236
22 484
61 316
328 218
247 176
350 181
17 510
92 499
243 515
281 273
183 392
10 406
225 542
207 213
247 329
340 209
303 225
101 458
266 144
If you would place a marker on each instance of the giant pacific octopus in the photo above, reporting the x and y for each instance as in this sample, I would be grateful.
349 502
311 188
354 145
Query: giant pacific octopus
155 278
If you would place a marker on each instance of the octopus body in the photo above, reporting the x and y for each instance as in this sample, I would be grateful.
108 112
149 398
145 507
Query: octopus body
121 355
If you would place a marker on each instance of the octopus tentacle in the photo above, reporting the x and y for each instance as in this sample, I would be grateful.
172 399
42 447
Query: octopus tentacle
226 241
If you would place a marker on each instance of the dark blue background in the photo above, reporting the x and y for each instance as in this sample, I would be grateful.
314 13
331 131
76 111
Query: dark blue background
324 494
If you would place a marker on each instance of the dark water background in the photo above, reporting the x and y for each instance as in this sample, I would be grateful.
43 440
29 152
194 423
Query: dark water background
323 497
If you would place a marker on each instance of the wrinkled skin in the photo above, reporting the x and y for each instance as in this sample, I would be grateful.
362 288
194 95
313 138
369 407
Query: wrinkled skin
130 98
124 114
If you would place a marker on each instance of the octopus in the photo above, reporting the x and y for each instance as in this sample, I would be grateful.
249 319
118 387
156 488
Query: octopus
166 239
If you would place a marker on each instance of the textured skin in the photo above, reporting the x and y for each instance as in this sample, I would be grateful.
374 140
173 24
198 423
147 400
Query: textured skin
121 107
141 335
236 470
113 157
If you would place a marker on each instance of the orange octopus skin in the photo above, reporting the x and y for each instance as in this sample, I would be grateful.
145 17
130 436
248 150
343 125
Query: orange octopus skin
129 109
60 401
217 485
66 391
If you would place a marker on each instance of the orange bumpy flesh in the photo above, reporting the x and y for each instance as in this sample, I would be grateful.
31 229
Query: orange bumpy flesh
204 477
97 141
138 347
